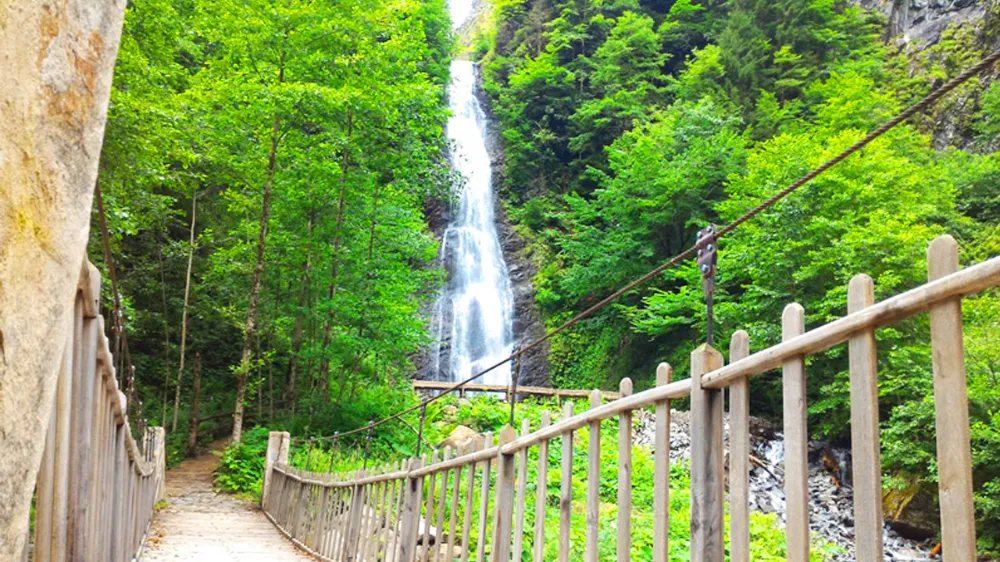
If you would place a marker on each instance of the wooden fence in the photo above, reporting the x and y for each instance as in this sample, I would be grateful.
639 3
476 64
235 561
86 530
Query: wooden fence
97 487
558 393
398 513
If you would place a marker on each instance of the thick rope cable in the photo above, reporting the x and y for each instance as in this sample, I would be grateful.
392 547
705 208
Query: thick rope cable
917 107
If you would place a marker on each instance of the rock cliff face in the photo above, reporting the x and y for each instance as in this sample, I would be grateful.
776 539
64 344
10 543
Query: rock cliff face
920 22
528 324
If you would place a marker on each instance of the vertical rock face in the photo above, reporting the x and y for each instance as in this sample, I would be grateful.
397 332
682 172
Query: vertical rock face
921 22
56 59
528 324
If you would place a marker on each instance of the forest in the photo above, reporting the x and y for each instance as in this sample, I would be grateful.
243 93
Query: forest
272 175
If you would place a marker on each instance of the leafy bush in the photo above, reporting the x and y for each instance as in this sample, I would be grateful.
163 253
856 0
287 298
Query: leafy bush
241 468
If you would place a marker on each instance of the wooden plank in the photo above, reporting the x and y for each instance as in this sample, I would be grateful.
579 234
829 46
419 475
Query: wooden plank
63 419
541 493
566 487
661 468
456 491
392 530
707 470
356 516
43 495
470 492
410 517
865 449
943 289
593 484
796 440
522 492
504 504
384 516
429 510
624 544
739 454
951 411
85 372
439 519
323 523
484 503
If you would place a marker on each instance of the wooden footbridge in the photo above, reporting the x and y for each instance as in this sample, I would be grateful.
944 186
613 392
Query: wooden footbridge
95 493
79 479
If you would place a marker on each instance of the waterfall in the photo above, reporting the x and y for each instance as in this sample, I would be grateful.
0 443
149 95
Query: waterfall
478 302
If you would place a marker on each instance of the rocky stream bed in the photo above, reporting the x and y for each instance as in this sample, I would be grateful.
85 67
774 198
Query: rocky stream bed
830 503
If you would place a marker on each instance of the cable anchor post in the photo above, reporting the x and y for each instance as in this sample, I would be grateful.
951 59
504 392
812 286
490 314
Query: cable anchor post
420 431
707 264
368 442
515 372
333 447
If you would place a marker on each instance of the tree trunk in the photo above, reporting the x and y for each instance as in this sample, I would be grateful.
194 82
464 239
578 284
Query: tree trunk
192 444
324 364
184 314
258 272
166 333
56 69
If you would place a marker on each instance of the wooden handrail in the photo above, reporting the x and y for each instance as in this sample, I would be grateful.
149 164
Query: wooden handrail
97 487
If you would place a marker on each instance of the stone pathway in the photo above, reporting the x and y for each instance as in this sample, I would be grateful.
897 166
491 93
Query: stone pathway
199 525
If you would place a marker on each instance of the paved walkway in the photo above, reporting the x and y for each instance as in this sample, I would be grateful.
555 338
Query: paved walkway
199 525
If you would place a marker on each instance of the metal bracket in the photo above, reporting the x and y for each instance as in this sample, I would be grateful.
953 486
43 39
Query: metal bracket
707 245
707 257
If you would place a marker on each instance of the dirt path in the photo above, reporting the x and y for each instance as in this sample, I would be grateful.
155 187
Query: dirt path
199 525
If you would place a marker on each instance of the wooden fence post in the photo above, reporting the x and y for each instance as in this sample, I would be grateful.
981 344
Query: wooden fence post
625 476
566 487
410 515
793 323
541 493
593 483
707 484
661 476
522 492
277 451
504 508
739 455
865 449
951 411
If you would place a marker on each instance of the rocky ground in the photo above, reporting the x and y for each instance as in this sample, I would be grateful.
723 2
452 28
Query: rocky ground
831 501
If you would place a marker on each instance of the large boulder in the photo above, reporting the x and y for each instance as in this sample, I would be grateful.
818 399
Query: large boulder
461 436
911 511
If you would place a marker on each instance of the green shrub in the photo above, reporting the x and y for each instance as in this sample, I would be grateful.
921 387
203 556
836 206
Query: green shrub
241 468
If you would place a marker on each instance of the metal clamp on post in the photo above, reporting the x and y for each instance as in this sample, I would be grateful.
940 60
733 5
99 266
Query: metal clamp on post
707 259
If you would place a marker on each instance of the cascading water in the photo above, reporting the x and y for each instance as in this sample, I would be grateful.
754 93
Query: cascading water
478 301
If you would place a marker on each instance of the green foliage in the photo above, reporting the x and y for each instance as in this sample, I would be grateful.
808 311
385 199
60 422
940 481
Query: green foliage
241 468
339 107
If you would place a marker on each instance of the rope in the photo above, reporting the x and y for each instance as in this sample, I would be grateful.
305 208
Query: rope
927 101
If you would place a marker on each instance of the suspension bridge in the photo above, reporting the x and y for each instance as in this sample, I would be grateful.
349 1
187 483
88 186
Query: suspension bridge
81 474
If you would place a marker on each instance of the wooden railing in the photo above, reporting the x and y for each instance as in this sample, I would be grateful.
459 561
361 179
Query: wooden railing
97 487
393 513
558 393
